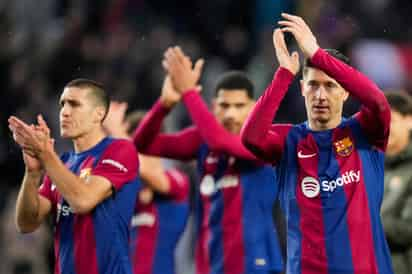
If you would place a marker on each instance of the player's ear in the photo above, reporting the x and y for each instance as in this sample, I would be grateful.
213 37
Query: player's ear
100 112
345 96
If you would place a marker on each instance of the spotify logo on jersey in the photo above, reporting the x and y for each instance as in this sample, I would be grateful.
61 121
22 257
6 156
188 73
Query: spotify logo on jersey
310 187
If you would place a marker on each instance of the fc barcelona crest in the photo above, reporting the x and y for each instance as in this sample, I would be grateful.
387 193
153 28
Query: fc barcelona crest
85 173
344 147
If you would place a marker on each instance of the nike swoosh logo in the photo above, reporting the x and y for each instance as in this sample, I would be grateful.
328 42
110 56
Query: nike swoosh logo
303 156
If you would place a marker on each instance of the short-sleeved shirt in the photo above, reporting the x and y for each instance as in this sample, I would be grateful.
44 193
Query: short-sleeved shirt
96 242
158 222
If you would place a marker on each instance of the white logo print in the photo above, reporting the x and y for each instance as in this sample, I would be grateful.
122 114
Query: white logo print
212 160
310 187
303 156
209 187
115 164
346 178
143 219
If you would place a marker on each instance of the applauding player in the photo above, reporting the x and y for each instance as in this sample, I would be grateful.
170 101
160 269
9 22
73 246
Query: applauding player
330 169
91 191
236 234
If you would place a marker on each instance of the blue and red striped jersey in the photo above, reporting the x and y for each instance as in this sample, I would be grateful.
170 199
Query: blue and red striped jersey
236 233
331 181
331 189
97 242
158 222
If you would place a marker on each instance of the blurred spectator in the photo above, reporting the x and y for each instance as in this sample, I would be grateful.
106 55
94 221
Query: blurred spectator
23 253
397 200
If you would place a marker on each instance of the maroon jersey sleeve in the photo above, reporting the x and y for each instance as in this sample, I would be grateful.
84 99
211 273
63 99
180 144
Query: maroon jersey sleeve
214 134
179 185
258 134
48 190
182 145
119 163
374 115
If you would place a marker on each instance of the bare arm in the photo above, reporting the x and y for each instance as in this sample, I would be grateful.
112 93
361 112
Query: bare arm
82 196
31 207
153 174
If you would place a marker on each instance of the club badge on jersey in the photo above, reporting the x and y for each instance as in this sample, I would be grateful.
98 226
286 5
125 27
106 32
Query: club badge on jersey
85 173
344 147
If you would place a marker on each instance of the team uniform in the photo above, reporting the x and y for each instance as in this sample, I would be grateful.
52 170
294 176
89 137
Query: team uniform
331 181
97 242
235 230
158 222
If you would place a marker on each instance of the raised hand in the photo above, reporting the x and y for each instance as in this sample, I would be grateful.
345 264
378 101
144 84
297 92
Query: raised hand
169 96
302 33
115 123
33 139
286 60
179 66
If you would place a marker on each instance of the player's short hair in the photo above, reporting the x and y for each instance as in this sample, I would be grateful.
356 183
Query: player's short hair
235 80
97 91
134 119
333 52
400 102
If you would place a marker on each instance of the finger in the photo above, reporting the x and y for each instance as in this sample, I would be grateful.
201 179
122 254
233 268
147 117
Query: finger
165 65
29 152
42 123
290 17
16 121
179 52
198 67
291 30
279 41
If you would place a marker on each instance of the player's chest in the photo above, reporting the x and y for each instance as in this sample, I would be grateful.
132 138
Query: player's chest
220 177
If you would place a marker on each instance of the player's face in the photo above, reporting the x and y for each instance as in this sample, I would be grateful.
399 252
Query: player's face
324 98
231 108
399 131
78 114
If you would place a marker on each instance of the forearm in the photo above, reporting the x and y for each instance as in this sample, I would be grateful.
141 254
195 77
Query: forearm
71 187
157 181
255 133
28 204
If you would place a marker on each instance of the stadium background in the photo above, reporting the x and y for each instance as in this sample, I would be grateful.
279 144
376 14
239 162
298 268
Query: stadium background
44 44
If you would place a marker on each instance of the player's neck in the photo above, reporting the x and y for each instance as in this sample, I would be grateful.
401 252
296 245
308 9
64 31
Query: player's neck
89 140
317 125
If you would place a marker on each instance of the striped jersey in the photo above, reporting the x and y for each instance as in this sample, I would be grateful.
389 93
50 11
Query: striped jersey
96 242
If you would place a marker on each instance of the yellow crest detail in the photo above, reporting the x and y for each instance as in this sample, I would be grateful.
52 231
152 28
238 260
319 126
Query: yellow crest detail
344 147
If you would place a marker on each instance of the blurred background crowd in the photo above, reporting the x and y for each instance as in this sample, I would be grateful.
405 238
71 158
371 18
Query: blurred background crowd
44 44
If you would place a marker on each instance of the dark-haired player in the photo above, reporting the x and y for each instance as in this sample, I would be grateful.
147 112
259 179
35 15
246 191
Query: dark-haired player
329 169
236 234
90 191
